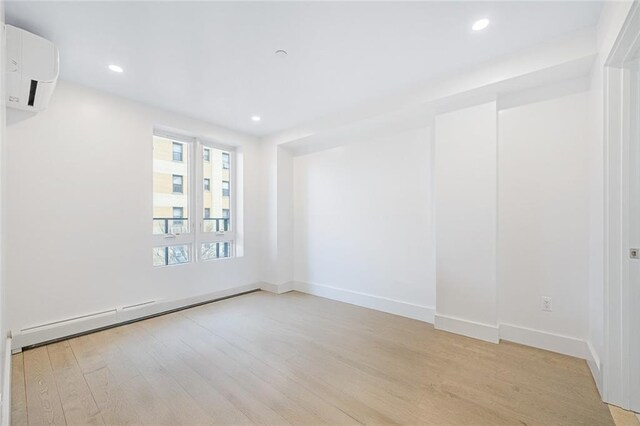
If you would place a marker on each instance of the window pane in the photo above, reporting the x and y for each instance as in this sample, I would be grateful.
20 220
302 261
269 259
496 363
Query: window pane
216 198
170 255
170 186
177 151
209 251
177 184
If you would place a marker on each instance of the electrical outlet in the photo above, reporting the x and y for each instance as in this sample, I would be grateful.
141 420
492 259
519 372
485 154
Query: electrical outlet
546 304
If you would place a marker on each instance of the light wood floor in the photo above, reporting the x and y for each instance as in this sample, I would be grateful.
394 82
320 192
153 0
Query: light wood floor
296 359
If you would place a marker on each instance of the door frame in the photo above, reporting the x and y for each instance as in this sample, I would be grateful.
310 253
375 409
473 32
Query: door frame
621 359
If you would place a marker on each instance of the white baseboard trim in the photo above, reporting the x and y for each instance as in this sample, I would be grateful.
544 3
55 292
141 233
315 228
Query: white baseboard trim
391 306
5 415
490 333
71 326
476 330
593 360
277 288
544 340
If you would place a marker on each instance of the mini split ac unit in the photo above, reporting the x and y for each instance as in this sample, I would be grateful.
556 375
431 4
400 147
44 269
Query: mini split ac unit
32 70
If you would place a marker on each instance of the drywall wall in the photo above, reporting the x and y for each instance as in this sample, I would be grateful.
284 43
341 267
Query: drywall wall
363 228
278 163
465 221
543 211
79 208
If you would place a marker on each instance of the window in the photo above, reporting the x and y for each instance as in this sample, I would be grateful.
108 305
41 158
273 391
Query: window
218 226
177 184
173 236
170 255
209 251
178 163
177 225
177 151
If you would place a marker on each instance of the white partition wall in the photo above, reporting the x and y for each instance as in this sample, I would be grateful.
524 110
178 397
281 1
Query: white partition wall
543 210
465 202
362 217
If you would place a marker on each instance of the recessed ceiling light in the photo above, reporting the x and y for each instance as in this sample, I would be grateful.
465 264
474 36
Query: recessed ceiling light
256 118
480 24
281 53
115 68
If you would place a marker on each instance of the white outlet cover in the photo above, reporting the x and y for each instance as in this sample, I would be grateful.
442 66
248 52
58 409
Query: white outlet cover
547 304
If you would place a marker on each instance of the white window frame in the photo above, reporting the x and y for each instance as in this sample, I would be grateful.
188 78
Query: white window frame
185 238
220 236
193 148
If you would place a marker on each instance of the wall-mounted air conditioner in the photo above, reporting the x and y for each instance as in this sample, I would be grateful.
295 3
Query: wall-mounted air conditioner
32 70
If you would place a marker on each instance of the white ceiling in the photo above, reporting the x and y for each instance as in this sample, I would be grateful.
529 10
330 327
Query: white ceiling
215 60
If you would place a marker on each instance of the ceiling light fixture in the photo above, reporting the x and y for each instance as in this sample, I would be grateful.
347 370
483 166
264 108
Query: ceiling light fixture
256 118
116 68
480 24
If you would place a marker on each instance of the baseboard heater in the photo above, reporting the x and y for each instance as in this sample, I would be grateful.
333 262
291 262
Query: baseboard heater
44 334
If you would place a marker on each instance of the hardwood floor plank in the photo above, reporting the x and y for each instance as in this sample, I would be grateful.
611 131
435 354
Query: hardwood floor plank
109 396
43 401
284 392
77 401
18 391
223 378
165 388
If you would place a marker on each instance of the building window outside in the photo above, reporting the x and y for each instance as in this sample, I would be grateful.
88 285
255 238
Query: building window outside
178 213
225 188
206 154
177 184
177 151
207 184
207 213
225 160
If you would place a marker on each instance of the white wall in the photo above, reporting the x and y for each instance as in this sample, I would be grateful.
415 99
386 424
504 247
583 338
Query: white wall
363 231
543 211
79 208
465 205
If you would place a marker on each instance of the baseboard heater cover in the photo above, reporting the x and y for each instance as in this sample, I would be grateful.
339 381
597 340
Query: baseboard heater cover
64 329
